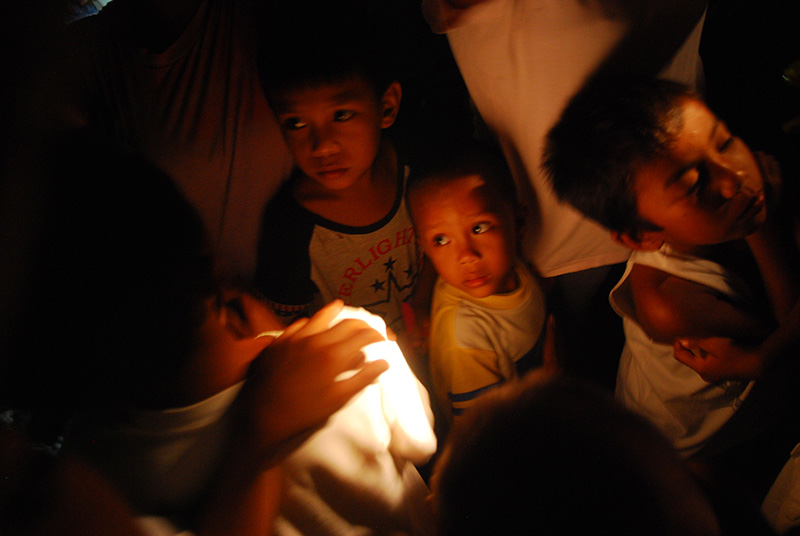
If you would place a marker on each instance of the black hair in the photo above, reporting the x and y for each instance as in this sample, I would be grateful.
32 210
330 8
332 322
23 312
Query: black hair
460 156
605 131
308 43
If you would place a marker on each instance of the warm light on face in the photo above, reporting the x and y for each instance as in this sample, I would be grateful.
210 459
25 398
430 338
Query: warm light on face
707 188
334 130
467 232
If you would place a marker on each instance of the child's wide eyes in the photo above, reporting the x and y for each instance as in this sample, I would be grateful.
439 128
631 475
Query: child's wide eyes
293 123
343 115
440 240
481 227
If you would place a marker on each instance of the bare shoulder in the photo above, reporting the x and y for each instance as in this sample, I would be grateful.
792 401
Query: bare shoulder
668 307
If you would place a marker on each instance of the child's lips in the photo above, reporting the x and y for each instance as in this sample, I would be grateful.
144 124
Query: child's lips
476 281
332 173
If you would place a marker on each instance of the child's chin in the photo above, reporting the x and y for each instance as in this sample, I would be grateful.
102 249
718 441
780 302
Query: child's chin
479 292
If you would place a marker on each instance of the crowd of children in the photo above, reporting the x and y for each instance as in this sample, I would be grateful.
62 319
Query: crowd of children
244 302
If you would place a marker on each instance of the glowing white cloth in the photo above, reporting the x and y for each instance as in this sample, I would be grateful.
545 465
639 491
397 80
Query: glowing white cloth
357 474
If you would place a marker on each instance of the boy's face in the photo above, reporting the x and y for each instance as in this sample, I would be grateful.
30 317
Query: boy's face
333 131
706 189
468 234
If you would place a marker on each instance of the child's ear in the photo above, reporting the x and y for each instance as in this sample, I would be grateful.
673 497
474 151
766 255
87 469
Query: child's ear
644 240
390 104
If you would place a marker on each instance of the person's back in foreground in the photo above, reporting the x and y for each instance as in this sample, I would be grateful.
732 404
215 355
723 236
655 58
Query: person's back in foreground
488 311
558 456
651 163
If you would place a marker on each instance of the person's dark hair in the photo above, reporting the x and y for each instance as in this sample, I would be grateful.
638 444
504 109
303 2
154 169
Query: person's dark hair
459 157
561 457
605 131
308 43
117 268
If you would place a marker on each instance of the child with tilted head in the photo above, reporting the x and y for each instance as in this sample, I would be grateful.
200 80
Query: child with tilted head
649 161
488 310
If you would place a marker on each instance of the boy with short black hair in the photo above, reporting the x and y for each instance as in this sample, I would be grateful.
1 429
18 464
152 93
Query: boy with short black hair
339 227
488 310
649 161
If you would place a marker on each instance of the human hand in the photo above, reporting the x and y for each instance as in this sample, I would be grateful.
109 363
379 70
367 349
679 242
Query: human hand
718 358
293 386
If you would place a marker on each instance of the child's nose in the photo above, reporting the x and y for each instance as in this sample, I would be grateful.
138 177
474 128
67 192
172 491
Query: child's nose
727 180
323 143
468 253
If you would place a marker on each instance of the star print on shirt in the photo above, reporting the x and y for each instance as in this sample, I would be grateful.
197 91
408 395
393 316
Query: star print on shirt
377 285
393 283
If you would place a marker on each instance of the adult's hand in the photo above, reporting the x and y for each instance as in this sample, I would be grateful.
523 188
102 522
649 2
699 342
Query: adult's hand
293 387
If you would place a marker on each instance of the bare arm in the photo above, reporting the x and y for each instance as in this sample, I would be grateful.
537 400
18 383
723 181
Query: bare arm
724 358
678 312
669 308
